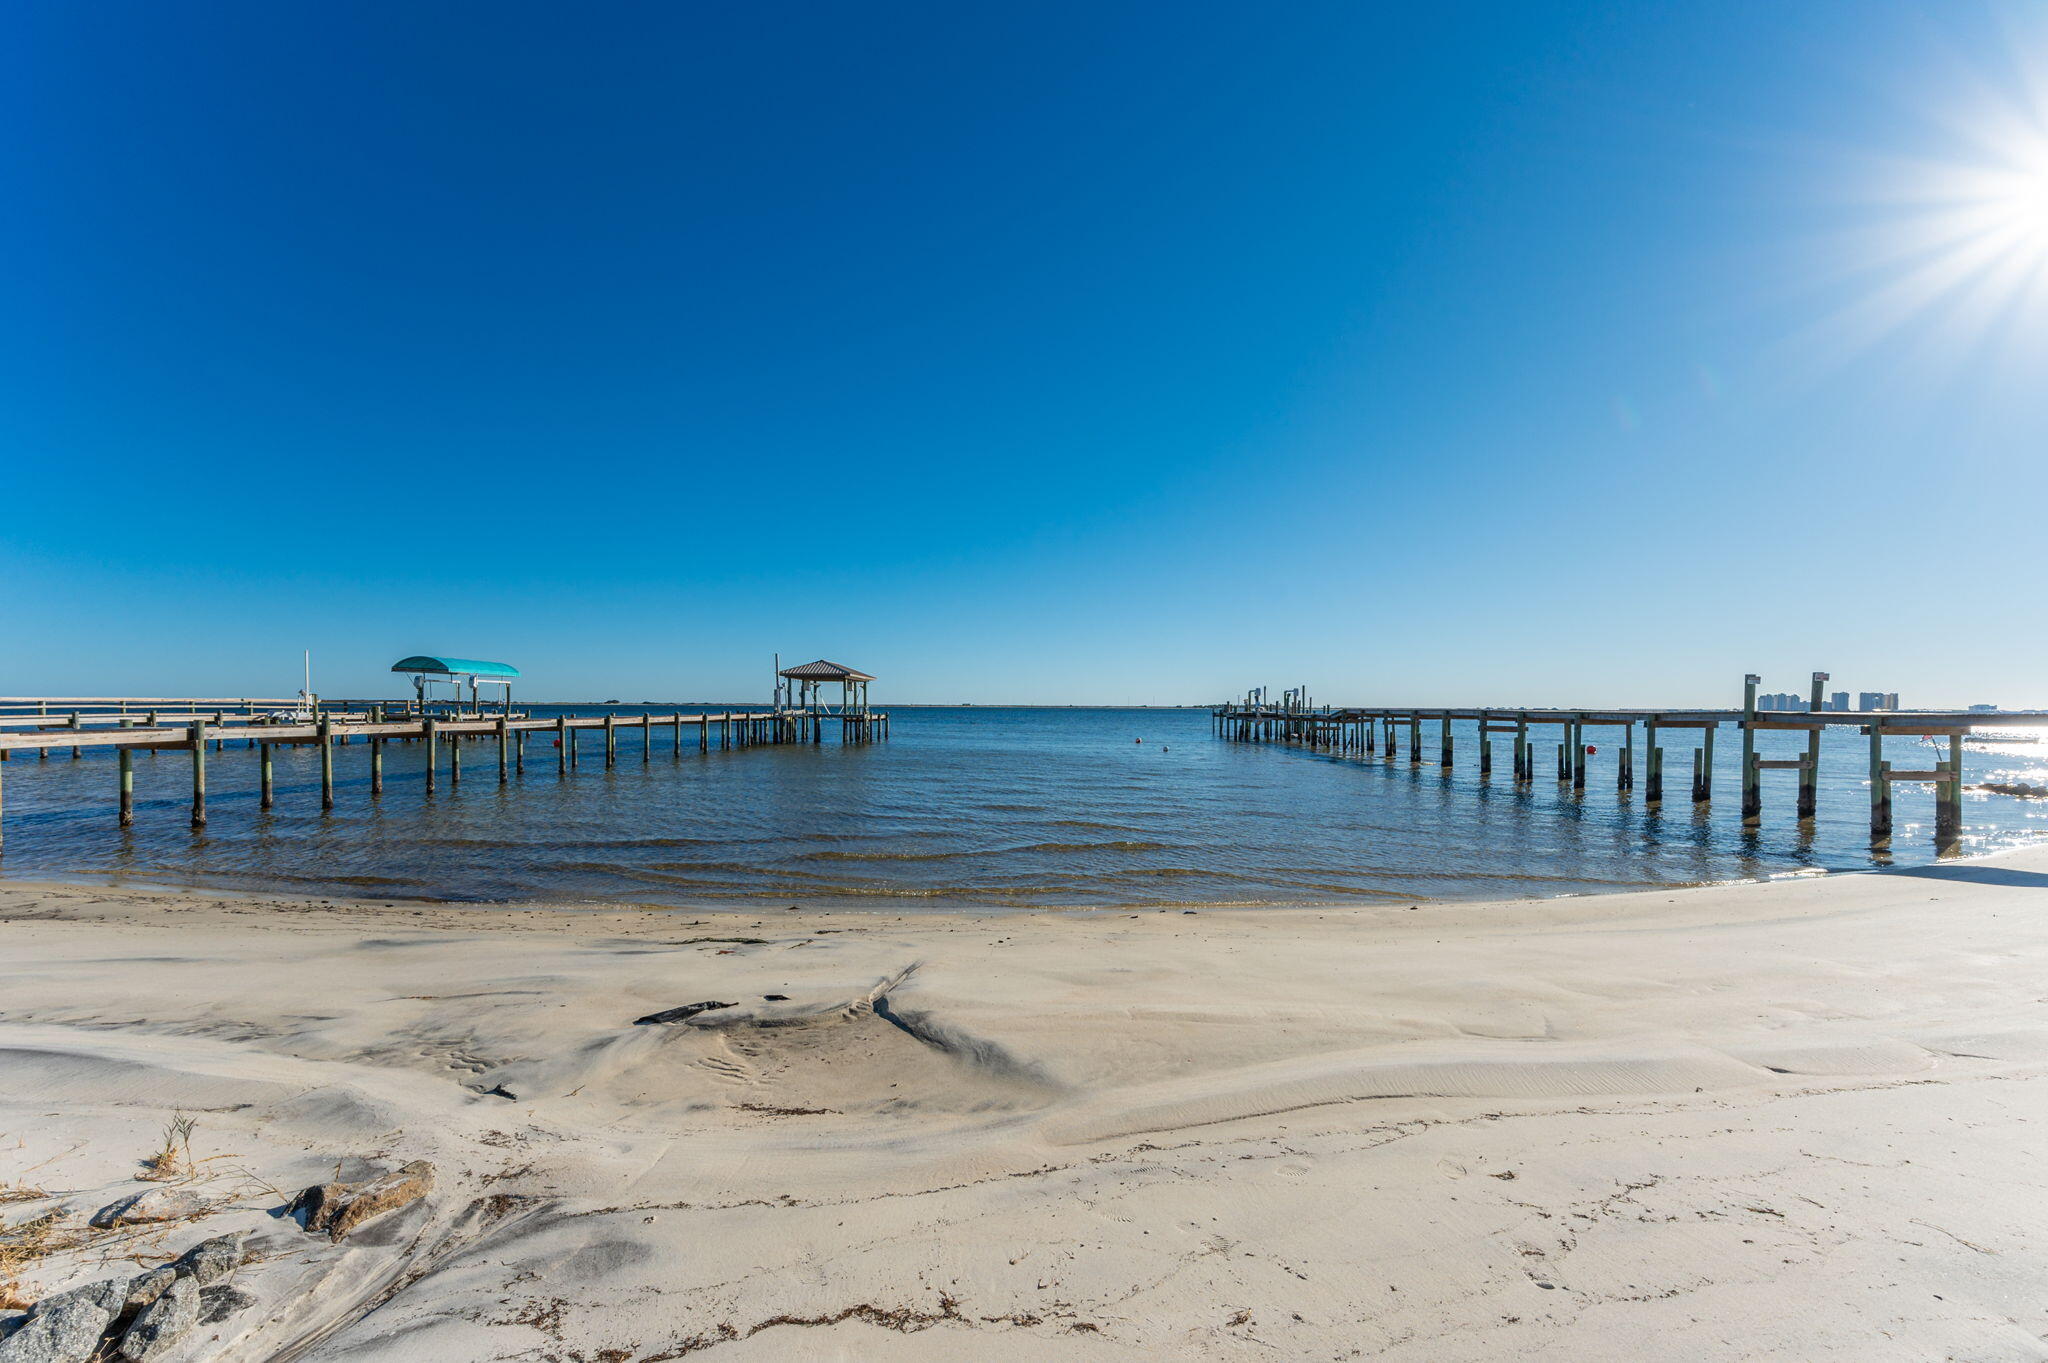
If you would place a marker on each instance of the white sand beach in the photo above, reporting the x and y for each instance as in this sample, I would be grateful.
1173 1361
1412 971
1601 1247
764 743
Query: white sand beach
1796 1120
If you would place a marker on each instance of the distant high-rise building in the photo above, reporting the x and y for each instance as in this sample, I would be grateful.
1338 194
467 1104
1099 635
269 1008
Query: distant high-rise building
1870 700
1838 701
1891 701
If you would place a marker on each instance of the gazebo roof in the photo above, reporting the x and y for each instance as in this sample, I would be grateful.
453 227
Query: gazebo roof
824 671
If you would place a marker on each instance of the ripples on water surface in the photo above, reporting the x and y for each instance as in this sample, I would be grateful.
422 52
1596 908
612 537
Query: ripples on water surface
977 806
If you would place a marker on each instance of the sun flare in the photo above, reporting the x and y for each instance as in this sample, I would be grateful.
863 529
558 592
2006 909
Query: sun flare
1945 247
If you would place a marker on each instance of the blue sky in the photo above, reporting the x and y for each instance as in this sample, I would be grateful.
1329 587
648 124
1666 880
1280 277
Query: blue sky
1520 353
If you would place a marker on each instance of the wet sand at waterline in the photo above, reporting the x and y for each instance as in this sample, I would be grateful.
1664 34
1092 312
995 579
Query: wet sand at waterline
1787 1120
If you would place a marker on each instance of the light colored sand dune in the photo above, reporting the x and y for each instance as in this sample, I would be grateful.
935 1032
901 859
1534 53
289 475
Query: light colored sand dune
1788 1121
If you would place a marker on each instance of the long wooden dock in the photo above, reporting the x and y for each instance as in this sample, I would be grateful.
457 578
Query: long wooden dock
1377 731
126 735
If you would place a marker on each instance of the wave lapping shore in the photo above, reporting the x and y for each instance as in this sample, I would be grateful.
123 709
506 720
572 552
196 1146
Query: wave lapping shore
1786 1120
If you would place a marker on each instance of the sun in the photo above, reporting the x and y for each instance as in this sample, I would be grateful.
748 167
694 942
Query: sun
2016 204
1997 209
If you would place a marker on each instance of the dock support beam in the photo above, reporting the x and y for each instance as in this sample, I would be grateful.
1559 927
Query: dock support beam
1703 767
1444 754
430 737
561 745
504 751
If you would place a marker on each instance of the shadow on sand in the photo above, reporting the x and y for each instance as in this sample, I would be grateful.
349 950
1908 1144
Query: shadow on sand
1979 875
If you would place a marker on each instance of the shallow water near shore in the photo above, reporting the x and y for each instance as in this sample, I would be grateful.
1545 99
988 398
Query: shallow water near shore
976 806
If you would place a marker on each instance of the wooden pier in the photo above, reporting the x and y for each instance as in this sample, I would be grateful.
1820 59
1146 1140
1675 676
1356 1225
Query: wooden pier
1378 731
129 726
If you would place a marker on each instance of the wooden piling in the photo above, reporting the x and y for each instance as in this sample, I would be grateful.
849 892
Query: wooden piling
1703 768
376 765
646 739
198 773
1948 794
266 775
561 745
126 756
1809 774
504 751
1653 788
1880 794
429 727
1752 784
326 741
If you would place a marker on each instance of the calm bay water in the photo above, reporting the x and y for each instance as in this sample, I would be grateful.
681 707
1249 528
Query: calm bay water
975 806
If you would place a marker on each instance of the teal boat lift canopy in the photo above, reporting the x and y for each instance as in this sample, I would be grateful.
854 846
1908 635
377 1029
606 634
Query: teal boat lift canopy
427 670
454 667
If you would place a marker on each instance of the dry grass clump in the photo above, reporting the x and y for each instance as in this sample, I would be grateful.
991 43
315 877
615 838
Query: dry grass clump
173 1160
20 1247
